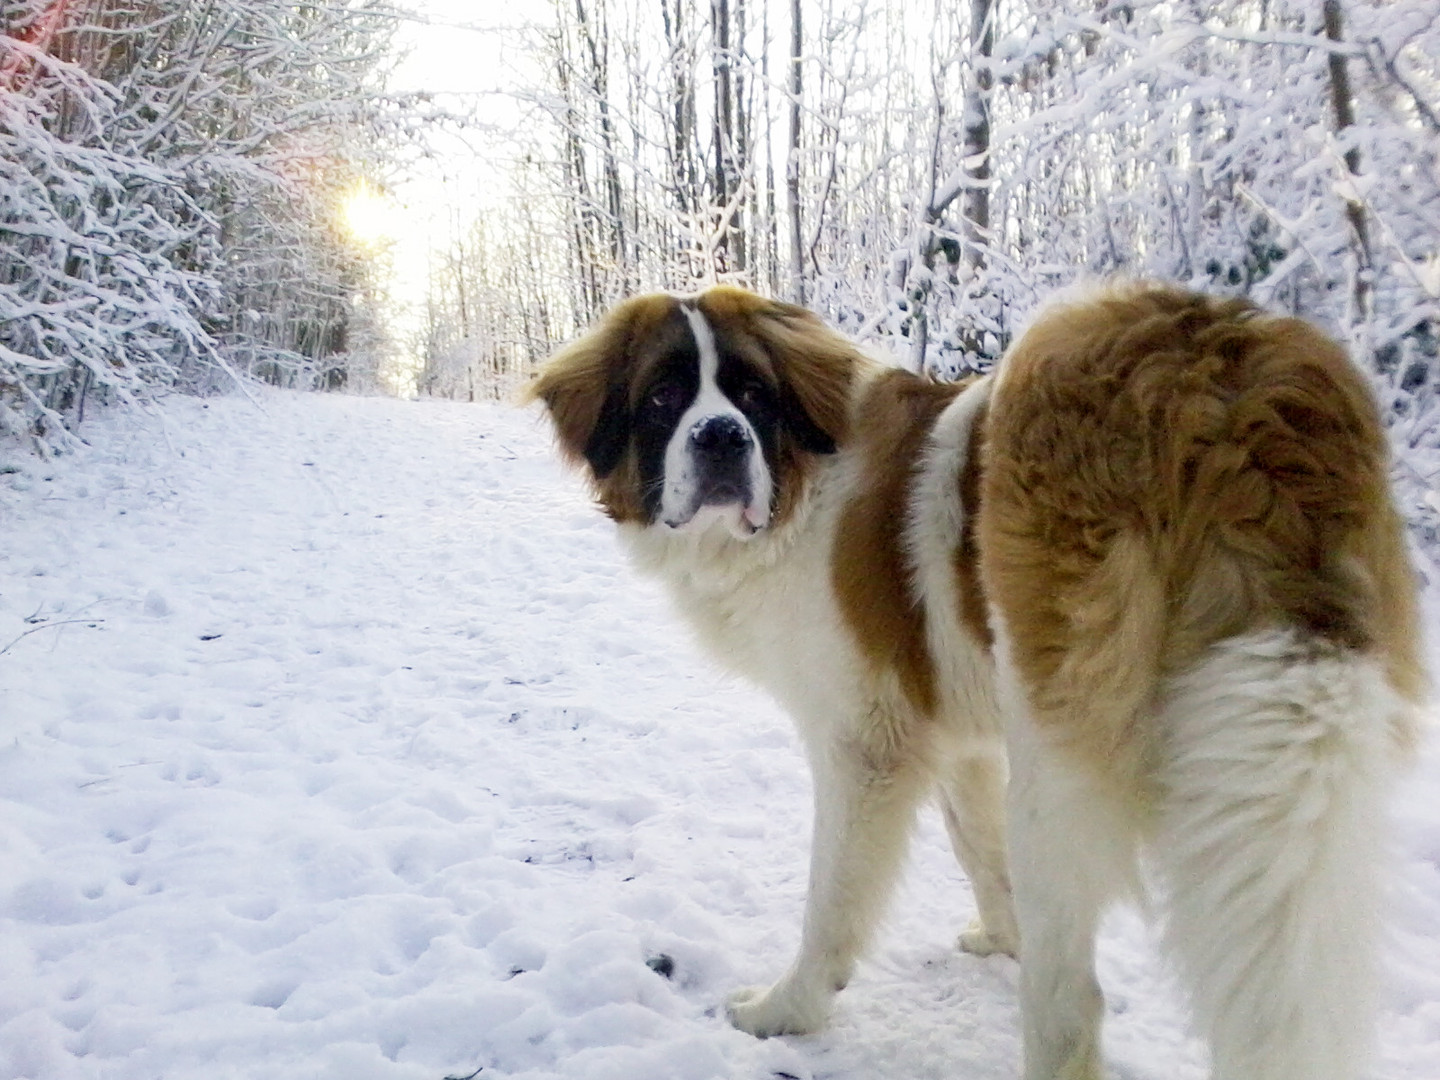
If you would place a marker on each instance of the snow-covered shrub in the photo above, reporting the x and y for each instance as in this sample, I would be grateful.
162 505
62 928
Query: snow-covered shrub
169 174
91 297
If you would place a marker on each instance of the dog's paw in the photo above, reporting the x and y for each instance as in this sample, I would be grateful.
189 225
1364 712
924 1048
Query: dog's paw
978 941
765 1011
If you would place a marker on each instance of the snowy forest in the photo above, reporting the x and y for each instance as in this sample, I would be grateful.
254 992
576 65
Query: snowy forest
169 175
921 174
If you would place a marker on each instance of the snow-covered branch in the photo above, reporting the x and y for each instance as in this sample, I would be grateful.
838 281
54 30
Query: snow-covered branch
168 171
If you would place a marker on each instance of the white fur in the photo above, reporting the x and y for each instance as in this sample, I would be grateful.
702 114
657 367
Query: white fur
1275 753
680 499
1072 852
766 608
932 534
1265 839
973 786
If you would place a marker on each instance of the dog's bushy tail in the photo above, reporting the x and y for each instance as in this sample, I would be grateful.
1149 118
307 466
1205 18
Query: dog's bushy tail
1274 754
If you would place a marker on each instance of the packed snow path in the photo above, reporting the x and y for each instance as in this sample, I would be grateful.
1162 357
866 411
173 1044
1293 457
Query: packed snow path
337 741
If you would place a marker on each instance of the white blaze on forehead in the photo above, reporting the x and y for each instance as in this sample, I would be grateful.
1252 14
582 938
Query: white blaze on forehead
705 346
680 499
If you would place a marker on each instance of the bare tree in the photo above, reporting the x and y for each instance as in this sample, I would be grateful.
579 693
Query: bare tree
792 158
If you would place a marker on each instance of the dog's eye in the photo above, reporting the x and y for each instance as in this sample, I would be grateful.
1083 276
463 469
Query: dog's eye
752 393
667 395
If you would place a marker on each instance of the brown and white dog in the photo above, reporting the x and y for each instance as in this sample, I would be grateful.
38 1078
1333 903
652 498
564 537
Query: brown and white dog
1154 557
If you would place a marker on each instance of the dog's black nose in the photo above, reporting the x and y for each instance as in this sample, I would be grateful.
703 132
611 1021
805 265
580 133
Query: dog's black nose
720 437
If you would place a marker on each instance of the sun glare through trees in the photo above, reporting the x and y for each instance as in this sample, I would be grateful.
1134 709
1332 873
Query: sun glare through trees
371 217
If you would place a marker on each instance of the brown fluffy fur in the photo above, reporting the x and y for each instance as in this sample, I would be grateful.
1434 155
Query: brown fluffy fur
1164 471
869 571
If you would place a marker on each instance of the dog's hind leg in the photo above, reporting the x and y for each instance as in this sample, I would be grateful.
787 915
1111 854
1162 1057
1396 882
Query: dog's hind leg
1072 852
1273 765
864 808
972 798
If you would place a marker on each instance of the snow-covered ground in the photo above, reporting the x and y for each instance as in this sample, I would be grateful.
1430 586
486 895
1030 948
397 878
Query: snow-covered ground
336 740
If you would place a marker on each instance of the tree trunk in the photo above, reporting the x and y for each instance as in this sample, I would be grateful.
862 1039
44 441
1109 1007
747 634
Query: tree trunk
792 160
598 47
685 182
722 130
741 191
975 207
770 240
1342 103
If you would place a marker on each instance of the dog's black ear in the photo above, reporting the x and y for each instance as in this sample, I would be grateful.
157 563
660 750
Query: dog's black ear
809 435
816 368
611 433
586 385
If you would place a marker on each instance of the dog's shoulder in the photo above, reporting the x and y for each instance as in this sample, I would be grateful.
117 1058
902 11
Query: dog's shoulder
879 592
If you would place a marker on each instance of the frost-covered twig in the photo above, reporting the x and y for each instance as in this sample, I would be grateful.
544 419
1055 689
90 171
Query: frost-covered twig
46 626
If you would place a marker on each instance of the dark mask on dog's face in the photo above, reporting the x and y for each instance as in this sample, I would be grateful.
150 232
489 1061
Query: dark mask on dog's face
693 413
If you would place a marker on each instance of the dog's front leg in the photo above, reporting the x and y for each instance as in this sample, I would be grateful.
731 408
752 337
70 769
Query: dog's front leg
863 812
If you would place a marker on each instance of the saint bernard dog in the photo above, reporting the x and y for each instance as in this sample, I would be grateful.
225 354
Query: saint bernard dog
1153 561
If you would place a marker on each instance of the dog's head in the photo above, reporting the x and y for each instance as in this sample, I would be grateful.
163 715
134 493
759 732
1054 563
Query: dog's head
693 411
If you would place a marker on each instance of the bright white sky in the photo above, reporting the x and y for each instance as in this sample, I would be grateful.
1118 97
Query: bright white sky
466 54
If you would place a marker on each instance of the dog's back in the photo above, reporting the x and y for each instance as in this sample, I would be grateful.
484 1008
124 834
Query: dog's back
1208 623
